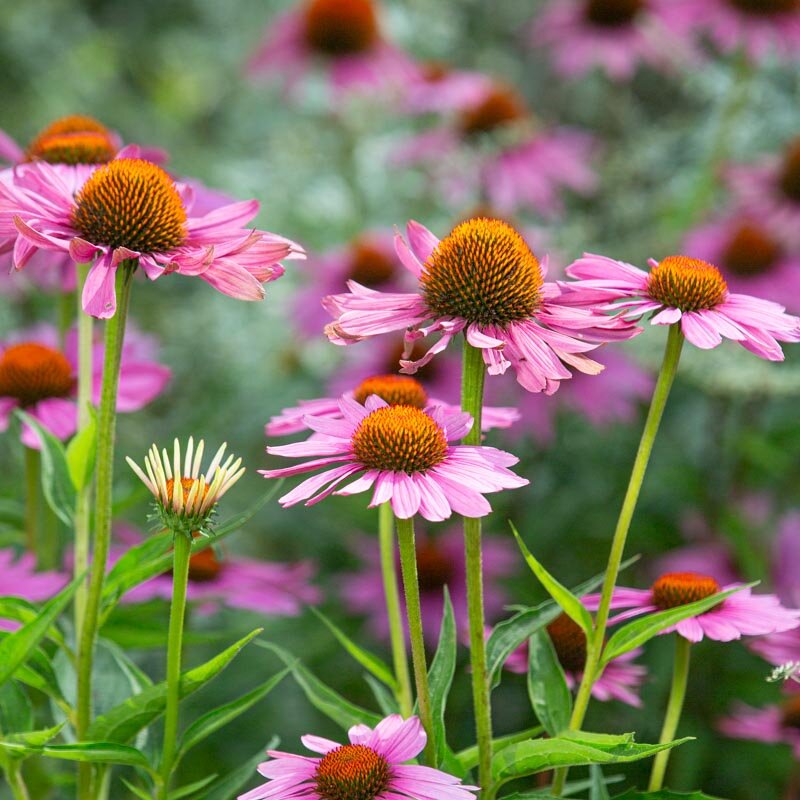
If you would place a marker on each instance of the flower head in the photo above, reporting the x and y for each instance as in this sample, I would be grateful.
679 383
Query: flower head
185 499
777 724
20 579
131 210
484 280
740 614
371 767
691 292
405 452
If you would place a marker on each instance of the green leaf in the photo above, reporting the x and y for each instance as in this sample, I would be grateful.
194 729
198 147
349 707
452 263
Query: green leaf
87 752
468 758
81 453
370 662
571 750
440 675
547 686
35 738
126 719
21 610
16 712
664 794
191 788
636 633
221 716
228 786
570 789
12 513
569 603
386 701
17 647
56 482
598 790
140 793
321 696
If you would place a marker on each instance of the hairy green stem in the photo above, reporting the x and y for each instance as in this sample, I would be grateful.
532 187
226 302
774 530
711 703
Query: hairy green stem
106 430
677 694
408 565
472 381
33 471
66 303
180 579
392 592
592 672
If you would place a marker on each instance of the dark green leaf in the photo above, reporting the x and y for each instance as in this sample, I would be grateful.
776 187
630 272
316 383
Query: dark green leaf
468 758
440 675
88 752
16 712
229 786
547 687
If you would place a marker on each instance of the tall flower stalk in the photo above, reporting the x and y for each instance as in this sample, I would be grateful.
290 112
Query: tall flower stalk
33 468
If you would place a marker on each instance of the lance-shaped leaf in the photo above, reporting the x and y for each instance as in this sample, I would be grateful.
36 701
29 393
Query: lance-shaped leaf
89 752
468 758
440 676
547 686
80 453
228 786
665 794
598 789
191 789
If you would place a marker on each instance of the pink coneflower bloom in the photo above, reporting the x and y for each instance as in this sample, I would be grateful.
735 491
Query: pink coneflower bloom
440 88
371 767
740 614
440 563
495 150
20 579
691 292
342 37
41 380
396 390
405 453
758 27
130 209
482 279
750 256
614 35
778 724
620 679
769 189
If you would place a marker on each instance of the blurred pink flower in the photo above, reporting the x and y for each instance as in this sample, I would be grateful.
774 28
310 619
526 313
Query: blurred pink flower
778 724
440 563
438 87
36 377
20 579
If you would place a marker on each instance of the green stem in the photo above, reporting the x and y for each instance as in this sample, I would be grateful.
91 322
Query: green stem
472 380
15 781
180 580
33 469
677 693
392 593
408 565
83 503
106 430
66 303
666 376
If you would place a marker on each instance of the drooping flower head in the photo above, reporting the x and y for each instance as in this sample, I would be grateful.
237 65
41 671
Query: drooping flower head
685 290
405 453
620 679
371 767
740 614
484 280
42 380
20 579
186 499
396 390
343 37
776 724
131 211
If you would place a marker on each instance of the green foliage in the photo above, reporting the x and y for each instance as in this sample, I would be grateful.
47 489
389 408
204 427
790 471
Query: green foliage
550 696
440 678
81 452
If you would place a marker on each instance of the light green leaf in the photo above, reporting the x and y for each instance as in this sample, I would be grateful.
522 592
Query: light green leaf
386 701
191 788
547 687
468 758
370 662
81 453
636 633
569 603
21 610
228 786
140 793
440 676
33 738
88 752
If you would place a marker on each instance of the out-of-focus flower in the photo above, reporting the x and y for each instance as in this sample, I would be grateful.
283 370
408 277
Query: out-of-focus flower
440 563
131 210
691 292
741 614
614 35
620 679
495 150
778 724
185 499
750 256
484 280
20 579
396 390
41 380
758 27
342 37
405 453
440 88
371 767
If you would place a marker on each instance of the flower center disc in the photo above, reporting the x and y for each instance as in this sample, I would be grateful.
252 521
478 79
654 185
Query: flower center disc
501 106
764 8
399 439
686 283
131 203
204 565
72 140
612 12
790 713
790 172
483 272
341 27
369 265
750 251
569 642
396 390
434 568
681 588
351 772
31 372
